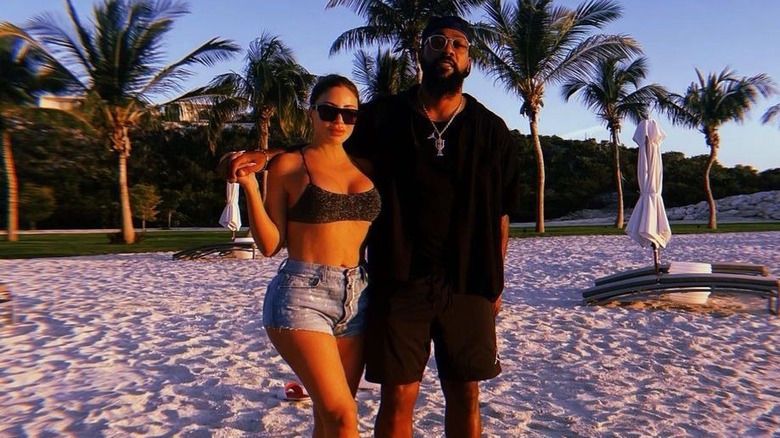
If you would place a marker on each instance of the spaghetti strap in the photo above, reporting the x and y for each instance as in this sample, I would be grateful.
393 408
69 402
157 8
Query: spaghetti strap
306 167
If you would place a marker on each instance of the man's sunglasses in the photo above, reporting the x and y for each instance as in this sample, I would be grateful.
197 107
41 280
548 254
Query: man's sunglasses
439 42
328 113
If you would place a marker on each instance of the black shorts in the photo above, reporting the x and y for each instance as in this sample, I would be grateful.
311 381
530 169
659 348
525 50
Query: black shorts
403 322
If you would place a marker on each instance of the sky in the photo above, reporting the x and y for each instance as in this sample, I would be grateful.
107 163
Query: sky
677 36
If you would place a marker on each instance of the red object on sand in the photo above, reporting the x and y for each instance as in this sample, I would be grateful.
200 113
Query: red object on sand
295 392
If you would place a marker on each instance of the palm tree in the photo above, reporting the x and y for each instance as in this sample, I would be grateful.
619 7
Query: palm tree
18 81
711 102
396 22
771 113
273 86
533 44
117 59
612 89
26 74
383 74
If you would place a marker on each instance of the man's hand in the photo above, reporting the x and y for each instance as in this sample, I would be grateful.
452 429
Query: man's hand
497 306
233 165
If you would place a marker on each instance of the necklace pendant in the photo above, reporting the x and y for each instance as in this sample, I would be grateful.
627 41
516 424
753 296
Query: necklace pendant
436 135
439 147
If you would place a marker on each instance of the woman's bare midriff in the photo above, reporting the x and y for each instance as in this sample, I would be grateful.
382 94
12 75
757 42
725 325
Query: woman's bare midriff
332 244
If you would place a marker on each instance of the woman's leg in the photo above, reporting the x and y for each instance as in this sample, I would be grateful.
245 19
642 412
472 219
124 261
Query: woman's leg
352 359
316 358
351 352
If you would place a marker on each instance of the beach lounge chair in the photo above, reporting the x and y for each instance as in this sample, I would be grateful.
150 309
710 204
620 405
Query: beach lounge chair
730 278
240 248
649 226
6 307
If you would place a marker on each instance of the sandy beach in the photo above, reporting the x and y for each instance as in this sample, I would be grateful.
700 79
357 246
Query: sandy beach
143 345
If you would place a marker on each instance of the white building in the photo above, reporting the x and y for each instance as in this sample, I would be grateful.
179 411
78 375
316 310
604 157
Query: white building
65 103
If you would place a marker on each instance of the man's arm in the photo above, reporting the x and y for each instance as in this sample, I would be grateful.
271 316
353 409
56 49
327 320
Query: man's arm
504 246
504 236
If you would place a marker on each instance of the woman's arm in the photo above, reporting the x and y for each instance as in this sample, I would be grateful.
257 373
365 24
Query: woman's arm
268 220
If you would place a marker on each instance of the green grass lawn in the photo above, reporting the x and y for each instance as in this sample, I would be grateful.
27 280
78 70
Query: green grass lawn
677 228
75 244
72 244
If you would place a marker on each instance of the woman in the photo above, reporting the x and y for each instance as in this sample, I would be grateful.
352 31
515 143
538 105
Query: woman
321 206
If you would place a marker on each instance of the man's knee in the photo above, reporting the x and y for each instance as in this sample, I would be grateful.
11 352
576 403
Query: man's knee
460 393
400 398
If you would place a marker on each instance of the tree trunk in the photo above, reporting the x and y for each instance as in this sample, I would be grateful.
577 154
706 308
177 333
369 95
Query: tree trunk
713 222
263 127
12 183
534 121
713 140
417 66
618 179
263 131
120 143
128 232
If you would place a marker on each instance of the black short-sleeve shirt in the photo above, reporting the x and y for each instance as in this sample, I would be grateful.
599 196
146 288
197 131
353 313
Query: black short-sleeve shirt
440 214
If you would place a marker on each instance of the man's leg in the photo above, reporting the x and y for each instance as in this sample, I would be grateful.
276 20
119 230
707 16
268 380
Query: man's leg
461 413
396 411
398 345
466 353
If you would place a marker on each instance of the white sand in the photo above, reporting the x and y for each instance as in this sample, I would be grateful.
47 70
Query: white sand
142 345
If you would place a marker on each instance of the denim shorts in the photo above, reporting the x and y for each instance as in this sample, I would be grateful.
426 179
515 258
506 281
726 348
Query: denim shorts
319 298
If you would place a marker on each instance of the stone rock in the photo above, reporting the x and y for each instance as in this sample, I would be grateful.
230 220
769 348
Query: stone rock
754 206
758 206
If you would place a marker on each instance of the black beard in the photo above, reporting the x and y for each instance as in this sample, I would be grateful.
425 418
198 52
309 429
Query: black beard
438 86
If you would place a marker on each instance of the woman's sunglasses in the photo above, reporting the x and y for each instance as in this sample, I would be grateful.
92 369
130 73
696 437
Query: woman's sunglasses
328 113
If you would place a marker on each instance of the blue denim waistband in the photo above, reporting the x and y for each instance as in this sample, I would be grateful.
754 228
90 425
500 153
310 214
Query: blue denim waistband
324 271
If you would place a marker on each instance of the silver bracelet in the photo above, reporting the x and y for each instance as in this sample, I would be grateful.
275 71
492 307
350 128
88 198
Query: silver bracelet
267 159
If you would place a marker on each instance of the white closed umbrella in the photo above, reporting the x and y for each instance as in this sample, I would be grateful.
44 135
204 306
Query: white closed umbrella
231 215
648 224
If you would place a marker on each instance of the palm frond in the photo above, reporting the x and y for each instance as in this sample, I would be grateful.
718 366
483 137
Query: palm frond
56 76
81 46
581 59
771 113
676 108
361 36
382 75
168 78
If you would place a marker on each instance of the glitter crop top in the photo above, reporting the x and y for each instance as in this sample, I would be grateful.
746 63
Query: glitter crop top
318 206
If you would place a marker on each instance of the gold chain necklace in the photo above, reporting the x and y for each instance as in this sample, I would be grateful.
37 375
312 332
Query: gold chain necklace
436 135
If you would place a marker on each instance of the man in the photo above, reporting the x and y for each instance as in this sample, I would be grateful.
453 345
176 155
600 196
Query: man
448 177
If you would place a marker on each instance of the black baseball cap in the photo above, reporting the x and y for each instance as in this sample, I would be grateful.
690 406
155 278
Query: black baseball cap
436 24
